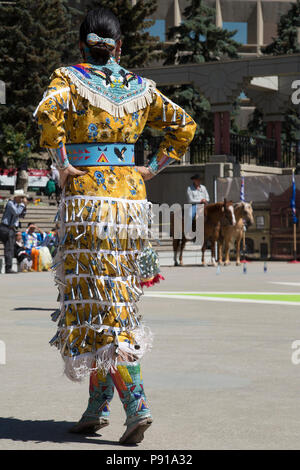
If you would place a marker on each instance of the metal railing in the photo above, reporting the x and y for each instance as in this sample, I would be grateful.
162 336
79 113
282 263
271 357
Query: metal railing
256 150
253 150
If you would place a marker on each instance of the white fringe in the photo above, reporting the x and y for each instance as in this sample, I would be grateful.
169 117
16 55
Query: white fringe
117 110
77 368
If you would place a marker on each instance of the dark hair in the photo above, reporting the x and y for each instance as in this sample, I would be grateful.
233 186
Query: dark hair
104 23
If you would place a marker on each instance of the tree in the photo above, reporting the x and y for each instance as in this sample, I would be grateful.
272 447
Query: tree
14 146
197 40
139 47
287 42
35 38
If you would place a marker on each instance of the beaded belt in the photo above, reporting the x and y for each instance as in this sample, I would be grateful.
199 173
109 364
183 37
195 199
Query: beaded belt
95 154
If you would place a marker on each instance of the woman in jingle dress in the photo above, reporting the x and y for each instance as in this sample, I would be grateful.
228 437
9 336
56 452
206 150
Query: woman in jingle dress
90 117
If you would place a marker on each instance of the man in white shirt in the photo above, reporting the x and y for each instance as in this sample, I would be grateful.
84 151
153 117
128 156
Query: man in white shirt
196 194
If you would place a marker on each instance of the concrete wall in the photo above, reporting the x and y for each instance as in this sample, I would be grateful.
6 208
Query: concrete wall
171 184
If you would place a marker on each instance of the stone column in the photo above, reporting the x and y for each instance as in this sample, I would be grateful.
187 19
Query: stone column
219 19
260 26
177 13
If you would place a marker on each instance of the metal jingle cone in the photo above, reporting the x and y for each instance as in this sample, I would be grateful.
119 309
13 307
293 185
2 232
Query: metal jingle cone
79 236
81 210
55 315
83 267
99 244
73 342
99 266
126 268
77 268
112 265
73 211
119 246
59 282
106 292
95 289
122 298
57 216
66 214
56 264
72 293
131 298
54 339
90 291
77 314
93 238
79 292
98 218
91 271
89 320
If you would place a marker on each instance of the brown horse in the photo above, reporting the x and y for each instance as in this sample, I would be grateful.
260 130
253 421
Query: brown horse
243 214
213 214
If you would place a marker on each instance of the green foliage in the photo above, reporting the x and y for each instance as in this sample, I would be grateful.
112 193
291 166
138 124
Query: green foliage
138 46
256 124
196 40
35 38
286 41
14 146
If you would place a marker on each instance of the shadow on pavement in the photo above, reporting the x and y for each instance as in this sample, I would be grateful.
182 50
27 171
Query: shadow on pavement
34 308
45 431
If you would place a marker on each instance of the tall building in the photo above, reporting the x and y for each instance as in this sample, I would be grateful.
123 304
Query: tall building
255 20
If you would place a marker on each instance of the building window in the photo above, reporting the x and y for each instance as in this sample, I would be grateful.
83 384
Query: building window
242 31
260 221
158 29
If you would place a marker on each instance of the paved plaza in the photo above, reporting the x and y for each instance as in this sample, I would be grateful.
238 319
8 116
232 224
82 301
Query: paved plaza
220 375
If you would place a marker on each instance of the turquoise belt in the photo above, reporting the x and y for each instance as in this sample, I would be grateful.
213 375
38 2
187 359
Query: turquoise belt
97 154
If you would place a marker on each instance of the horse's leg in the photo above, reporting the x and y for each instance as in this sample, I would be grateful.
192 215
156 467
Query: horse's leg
213 252
175 248
203 253
220 251
182 246
215 238
238 250
227 259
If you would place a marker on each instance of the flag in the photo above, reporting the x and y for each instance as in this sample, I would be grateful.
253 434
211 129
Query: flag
242 192
293 200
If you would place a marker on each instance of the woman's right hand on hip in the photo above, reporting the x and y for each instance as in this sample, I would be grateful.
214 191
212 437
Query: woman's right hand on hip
69 171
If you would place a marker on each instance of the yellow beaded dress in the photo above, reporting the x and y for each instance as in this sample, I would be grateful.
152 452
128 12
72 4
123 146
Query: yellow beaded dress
104 215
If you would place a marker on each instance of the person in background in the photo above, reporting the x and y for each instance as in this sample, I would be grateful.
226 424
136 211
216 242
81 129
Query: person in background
50 188
22 175
51 241
33 242
23 259
14 209
196 194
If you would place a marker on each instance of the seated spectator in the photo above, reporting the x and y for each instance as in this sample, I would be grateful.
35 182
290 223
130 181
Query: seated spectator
23 259
40 254
51 241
